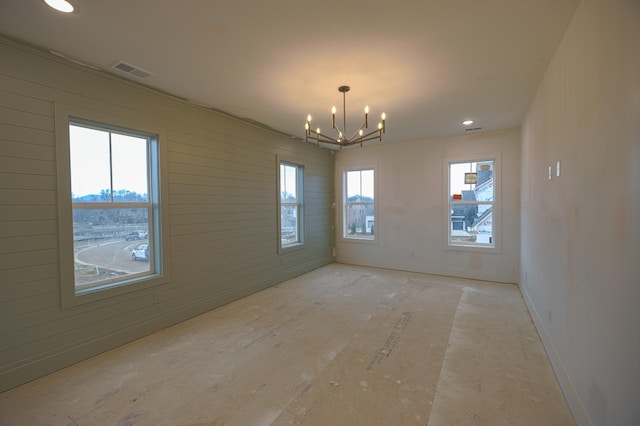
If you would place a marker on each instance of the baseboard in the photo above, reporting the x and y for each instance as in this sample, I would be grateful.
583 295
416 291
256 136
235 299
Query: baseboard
575 405
431 270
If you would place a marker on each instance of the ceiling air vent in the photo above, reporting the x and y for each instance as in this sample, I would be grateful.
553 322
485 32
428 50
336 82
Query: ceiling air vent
473 129
130 69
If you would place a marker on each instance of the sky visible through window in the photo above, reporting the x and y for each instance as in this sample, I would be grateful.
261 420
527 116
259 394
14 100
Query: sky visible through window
360 182
456 177
91 171
288 182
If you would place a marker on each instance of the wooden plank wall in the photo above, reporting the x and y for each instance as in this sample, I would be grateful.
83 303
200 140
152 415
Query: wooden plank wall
222 214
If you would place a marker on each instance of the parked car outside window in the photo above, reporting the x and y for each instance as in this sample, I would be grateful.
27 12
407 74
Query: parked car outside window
141 252
136 235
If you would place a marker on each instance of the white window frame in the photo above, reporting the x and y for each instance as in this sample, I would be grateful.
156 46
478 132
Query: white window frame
72 295
345 236
495 245
299 204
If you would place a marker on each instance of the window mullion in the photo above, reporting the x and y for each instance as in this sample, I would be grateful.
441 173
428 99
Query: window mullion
110 168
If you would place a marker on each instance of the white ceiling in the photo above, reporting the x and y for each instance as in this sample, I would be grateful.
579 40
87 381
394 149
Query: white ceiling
428 64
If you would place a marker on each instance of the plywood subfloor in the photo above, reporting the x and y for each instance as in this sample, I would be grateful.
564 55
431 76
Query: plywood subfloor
341 345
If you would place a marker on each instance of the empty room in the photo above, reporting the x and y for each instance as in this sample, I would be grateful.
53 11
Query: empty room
319 213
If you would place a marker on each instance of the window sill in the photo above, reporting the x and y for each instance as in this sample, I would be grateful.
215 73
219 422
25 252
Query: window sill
292 248
359 240
478 249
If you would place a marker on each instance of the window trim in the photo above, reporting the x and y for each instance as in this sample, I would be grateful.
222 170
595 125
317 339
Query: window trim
300 167
64 116
343 207
496 209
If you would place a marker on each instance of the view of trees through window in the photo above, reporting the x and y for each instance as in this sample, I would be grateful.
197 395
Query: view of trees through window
111 205
471 202
359 207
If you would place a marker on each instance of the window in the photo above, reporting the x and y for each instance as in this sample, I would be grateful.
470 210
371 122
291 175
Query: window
472 207
359 204
291 202
109 207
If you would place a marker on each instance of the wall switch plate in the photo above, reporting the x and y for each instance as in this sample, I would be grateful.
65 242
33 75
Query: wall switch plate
558 168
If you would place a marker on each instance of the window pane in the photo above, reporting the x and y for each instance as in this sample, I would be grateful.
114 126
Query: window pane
288 183
129 165
360 221
367 184
472 223
483 226
354 187
90 165
110 244
360 185
289 225
481 173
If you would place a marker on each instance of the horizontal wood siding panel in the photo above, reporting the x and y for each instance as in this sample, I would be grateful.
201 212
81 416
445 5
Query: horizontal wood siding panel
28 227
13 133
31 288
28 243
27 104
26 182
222 213
20 197
10 164
29 151
26 305
27 213
27 276
25 119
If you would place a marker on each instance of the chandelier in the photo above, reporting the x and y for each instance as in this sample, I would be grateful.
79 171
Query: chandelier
359 136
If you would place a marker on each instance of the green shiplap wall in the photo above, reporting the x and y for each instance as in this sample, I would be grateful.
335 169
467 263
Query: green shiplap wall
222 195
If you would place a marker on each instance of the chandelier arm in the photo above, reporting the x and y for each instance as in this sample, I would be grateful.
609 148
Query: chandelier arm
360 141
355 134
338 131
321 137
377 133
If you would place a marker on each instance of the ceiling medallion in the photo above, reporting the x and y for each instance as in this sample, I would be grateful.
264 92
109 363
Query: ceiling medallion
359 136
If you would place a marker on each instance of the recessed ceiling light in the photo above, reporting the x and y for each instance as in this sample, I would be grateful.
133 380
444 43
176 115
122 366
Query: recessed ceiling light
60 5
467 122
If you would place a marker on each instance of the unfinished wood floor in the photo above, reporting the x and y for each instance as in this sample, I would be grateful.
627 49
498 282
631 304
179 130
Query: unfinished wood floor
341 345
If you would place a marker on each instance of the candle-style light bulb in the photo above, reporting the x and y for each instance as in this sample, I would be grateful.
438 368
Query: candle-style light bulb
333 117
309 118
366 116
